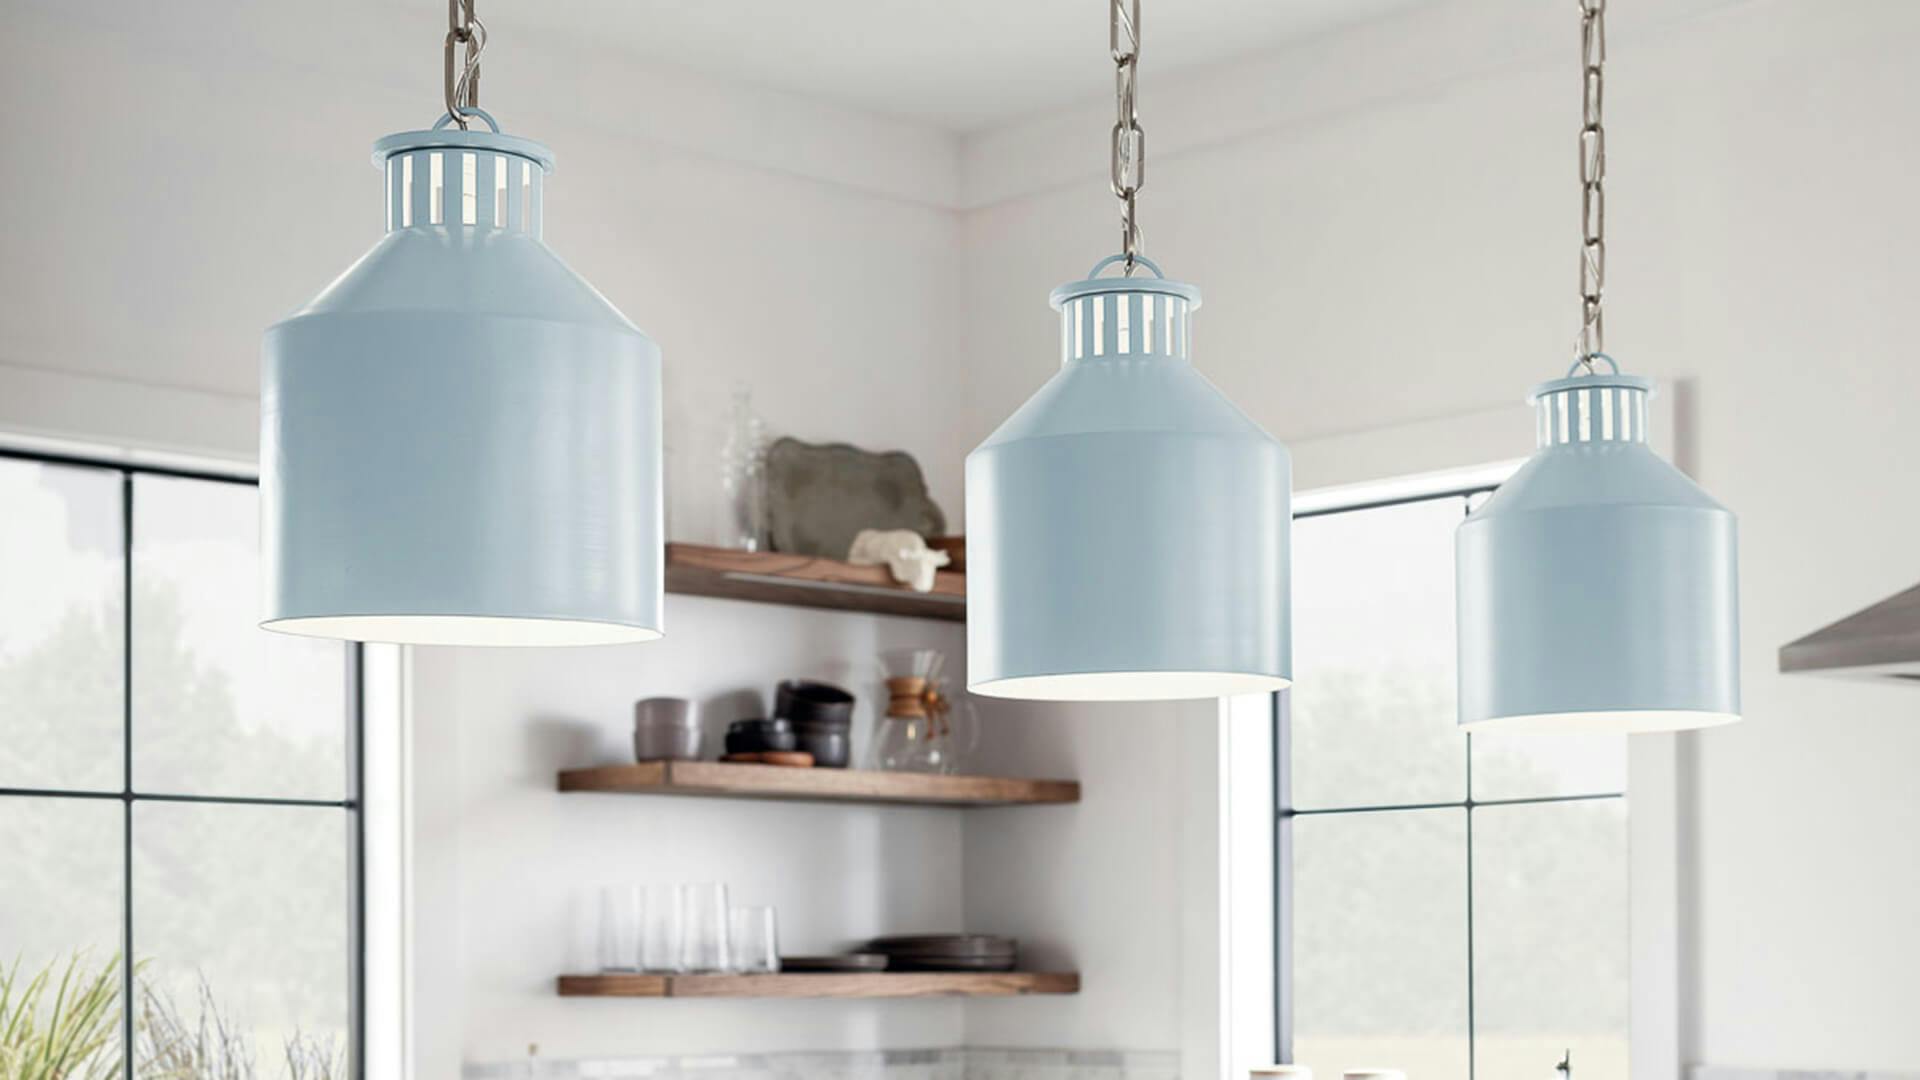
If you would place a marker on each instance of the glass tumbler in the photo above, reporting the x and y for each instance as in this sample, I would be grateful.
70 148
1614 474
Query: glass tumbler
663 931
704 913
752 939
620 907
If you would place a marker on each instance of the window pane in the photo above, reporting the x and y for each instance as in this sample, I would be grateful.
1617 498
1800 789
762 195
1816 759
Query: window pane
1380 942
60 627
60 905
1529 766
1550 937
221 706
1372 706
240 915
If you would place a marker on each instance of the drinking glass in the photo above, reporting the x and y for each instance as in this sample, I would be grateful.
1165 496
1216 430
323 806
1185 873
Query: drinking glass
753 941
704 940
620 907
662 932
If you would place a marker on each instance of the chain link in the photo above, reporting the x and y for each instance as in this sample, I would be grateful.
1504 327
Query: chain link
1593 175
462 90
1128 171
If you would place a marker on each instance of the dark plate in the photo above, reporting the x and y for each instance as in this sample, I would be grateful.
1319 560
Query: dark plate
913 940
951 963
957 954
957 948
946 944
843 962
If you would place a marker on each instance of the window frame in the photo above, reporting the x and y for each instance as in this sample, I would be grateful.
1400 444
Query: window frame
352 801
1284 812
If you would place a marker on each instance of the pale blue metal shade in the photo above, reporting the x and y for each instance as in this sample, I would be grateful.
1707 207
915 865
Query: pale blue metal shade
1598 588
460 438
1127 528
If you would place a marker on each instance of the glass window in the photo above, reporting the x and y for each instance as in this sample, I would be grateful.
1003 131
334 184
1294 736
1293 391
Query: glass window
62 613
221 706
1373 656
1452 906
239 918
1380 942
1549 934
207 863
60 912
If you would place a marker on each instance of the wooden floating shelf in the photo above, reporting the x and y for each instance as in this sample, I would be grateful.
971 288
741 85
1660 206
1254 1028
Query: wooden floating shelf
807 581
729 780
877 984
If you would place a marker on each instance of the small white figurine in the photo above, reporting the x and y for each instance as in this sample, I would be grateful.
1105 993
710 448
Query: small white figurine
902 551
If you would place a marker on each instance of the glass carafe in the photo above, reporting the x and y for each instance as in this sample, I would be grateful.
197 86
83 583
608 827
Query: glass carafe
908 736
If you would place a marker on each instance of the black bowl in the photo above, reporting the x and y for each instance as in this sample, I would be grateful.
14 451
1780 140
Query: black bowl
817 703
829 746
759 736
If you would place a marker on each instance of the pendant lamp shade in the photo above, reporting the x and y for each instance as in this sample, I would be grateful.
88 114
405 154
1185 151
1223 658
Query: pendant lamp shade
460 438
1597 589
1127 528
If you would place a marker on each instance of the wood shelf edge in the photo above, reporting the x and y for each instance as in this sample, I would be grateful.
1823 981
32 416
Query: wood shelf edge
881 984
808 581
728 780
612 985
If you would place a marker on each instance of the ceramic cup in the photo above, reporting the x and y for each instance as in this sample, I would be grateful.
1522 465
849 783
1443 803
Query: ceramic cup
664 712
666 729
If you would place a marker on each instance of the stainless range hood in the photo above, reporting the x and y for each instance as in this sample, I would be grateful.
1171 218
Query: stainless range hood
1877 642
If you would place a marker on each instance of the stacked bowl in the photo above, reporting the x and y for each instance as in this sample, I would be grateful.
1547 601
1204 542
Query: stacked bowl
666 729
822 719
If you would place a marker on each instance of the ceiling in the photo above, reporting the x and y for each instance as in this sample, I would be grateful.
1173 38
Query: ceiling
957 64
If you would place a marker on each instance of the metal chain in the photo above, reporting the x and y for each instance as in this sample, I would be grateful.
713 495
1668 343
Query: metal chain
464 28
1593 174
1129 162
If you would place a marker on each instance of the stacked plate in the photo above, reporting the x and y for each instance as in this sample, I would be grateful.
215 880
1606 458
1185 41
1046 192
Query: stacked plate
948 952
841 962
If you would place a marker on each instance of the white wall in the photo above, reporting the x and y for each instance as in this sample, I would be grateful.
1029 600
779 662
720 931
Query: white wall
1380 257
1096 886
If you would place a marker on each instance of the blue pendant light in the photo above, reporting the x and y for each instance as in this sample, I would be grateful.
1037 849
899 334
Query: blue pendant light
460 438
1127 528
1597 590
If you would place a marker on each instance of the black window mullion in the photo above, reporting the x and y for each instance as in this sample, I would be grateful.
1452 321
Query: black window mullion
126 775
1472 1035
357 866
1282 879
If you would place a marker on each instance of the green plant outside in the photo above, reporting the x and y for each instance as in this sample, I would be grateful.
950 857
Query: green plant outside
63 1023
